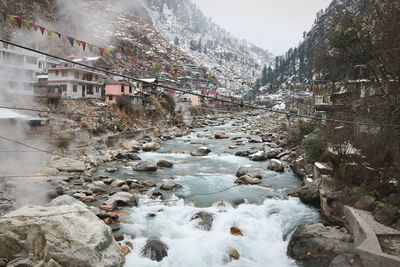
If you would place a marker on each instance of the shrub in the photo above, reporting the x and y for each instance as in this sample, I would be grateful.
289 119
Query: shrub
306 127
314 146
62 140
124 103
169 103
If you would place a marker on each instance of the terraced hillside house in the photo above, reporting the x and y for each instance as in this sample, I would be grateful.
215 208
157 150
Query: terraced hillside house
114 89
73 82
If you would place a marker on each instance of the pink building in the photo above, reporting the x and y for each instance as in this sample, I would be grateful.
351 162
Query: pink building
118 88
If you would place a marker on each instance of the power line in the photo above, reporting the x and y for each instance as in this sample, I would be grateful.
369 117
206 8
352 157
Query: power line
52 112
36 148
241 104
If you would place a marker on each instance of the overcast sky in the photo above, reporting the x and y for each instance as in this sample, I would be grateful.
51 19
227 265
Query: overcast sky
275 25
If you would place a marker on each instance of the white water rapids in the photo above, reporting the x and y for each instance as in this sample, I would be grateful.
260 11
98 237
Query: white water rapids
266 220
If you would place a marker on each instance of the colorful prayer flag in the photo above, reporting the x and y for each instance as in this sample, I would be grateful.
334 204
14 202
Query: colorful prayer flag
83 43
71 40
90 47
101 50
49 32
4 15
28 24
18 20
42 29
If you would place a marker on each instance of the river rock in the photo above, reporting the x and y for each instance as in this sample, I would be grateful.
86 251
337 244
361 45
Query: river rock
233 254
201 151
145 166
67 164
151 146
164 164
75 238
317 245
244 153
236 231
118 183
386 214
276 165
249 171
248 180
366 202
309 194
204 135
273 153
169 184
205 220
155 249
111 169
220 135
258 156
342 260
121 199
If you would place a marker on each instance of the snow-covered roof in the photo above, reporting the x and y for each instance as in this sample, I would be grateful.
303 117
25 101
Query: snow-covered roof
6 114
149 80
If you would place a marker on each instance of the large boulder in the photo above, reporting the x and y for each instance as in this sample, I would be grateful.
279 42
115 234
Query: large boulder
155 249
201 151
309 194
65 235
317 245
151 146
249 171
386 213
276 165
204 220
122 199
145 166
244 153
342 260
67 164
366 202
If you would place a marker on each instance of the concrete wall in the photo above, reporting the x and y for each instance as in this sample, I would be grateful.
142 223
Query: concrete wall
366 243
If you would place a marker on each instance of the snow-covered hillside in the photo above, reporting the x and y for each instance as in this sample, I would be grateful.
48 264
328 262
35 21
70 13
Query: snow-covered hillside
232 60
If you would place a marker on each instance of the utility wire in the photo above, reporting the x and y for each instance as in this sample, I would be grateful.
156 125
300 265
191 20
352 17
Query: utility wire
198 94
52 112
36 148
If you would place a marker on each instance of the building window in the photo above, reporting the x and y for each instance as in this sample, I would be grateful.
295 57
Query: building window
110 97
89 89
75 88
65 73
130 89
122 89
31 60
56 72
76 75
64 88
97 89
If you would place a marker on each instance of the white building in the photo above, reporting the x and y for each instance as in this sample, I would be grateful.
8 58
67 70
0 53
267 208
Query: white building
18 68
70 81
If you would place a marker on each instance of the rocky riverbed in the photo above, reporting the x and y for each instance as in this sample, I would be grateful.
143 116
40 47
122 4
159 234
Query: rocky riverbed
209 194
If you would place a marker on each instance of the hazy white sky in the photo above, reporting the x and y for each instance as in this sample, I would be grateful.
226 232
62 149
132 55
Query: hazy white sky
275 25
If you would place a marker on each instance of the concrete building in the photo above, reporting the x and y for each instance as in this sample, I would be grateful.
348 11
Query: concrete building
70 81
18 69
113 89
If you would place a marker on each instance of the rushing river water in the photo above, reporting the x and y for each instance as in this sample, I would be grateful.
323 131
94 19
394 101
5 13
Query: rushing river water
266 219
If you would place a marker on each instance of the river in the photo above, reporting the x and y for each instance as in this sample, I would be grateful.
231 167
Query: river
266 219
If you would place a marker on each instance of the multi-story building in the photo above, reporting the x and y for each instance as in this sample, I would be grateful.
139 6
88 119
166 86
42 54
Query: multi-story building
71 81
18 69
